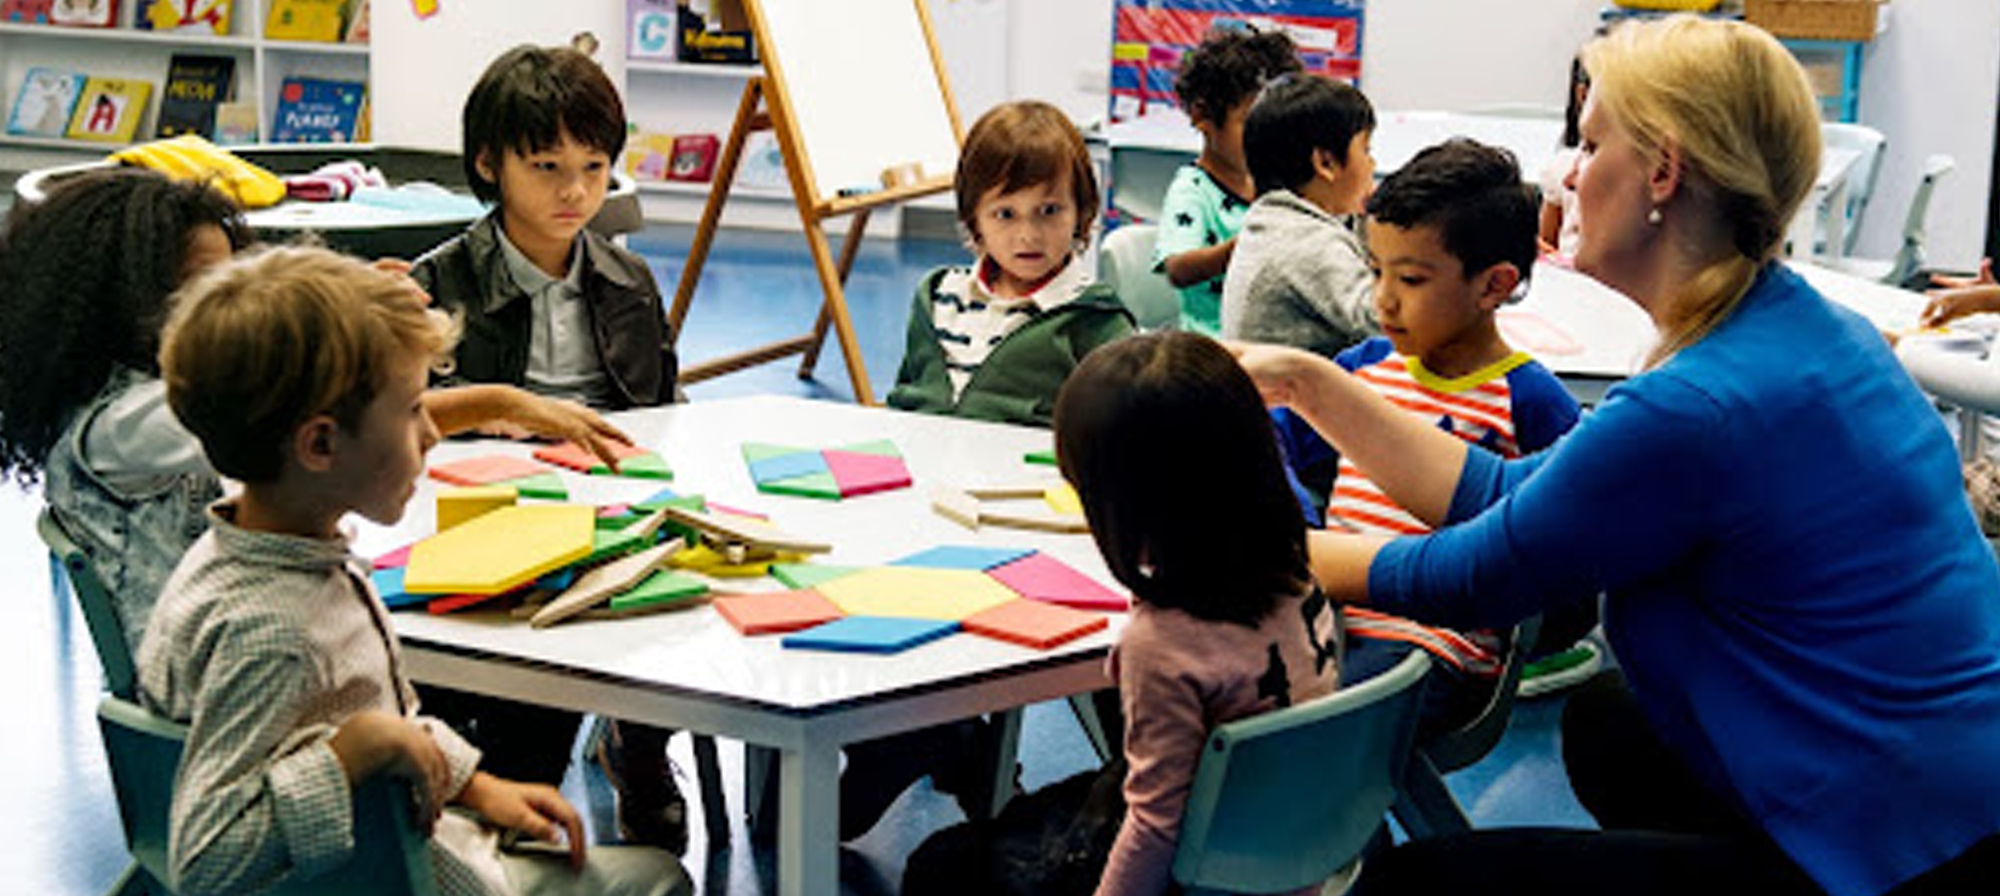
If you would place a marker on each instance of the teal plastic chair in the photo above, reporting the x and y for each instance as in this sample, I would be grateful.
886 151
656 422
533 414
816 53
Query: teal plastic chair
1290 798
1125 263
1426 808
144 753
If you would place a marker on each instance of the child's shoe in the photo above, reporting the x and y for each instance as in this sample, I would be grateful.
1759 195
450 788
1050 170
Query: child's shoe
1561 670
651 810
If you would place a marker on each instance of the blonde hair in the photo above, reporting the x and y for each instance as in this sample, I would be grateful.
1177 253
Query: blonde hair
1739 108
259 345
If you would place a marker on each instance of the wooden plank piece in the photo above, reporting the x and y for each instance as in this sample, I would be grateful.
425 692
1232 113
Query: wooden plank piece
598 585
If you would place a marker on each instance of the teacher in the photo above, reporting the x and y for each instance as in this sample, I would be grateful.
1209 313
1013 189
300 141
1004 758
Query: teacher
1807 618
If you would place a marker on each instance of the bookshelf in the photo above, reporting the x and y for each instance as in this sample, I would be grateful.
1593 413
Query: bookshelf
262 64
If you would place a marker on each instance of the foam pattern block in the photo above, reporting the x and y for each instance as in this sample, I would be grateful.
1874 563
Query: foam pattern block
1033 623
1041 577
665 586
977 559
488 470
389 587
787 466
501 550
808 575
859 473
812 485
869 634
776 612
546 486
908 592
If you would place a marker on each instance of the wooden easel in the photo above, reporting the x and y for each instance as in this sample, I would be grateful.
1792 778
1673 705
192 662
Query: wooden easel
766 106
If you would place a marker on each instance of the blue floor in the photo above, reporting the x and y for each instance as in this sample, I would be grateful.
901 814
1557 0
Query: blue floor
60 821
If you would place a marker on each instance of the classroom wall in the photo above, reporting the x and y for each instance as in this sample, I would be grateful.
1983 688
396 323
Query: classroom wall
1932 83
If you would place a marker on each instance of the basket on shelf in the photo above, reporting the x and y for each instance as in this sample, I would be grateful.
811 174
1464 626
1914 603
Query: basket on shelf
1815 19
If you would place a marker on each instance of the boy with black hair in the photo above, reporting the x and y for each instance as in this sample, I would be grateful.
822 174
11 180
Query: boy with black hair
1299 275
1205 204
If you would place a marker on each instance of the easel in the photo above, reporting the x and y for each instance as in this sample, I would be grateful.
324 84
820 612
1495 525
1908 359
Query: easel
766 106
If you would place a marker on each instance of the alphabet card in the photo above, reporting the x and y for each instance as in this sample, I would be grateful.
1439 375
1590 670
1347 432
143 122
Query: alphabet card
109 109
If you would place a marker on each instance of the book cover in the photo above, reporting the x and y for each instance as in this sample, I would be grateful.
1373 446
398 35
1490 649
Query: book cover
43 104
315 20
694 158
653 24
315 110
198 16
195 86
84 13
109 109
235 124
357 24
27 12
647 155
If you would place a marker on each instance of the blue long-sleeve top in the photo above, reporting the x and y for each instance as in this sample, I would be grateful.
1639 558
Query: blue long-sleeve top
1793 582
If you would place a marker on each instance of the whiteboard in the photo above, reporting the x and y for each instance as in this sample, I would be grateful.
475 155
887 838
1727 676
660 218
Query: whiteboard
861 86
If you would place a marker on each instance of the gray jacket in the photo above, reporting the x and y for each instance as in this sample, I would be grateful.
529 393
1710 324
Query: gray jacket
1299 276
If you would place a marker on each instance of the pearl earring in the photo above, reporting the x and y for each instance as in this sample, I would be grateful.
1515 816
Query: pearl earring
1653 217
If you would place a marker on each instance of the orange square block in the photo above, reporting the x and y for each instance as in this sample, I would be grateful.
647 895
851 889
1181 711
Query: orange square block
780 611
1034 623
486 470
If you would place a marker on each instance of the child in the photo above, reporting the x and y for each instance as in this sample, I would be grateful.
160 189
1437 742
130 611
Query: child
1225 623
1558 231
82 406
553 307
547 304
303 374
1205 204
994 341
1451 236
1299 275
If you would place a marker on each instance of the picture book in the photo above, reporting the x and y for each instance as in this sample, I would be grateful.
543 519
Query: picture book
195 86
235 124
43 104
109 109
84 13
653 25
315 110
27 12
648 154
357 24
199 16
315 20
694 158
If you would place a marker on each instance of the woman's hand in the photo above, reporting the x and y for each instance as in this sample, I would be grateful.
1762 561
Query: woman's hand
536 810
1283 374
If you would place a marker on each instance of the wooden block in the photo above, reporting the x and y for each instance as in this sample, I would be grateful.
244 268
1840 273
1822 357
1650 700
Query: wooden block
745 531
457 505
660 592
908 592
1004 491
598 585
808 575
1039 576
775 612
488 470
861 473
1026 516
868 634
1033 623
501 550
956 506
709 562
1063 499
546 486
978 559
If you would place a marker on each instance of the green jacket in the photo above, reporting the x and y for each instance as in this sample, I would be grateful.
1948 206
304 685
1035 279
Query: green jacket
1018 381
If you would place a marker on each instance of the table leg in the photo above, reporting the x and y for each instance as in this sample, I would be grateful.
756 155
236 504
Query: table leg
809 820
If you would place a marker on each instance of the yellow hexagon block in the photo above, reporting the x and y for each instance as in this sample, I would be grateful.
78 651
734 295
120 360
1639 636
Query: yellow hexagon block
910 592
501 550
457 505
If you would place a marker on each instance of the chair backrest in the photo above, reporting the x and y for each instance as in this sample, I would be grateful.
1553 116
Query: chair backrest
144 751
1459 748
1289 798
1125 263
1910 256
68 562
1869 146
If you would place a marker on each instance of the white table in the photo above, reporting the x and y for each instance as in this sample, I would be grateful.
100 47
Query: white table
691 670
1612 335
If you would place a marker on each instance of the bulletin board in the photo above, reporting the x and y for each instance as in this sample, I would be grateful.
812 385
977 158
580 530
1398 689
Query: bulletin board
1148 38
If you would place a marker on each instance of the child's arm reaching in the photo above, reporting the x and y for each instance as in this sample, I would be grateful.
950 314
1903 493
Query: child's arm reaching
516 413
1198 265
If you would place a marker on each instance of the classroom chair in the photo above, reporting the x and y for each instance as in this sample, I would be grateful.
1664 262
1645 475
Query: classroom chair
1910 255
1290 798
1425 807
1869 145
1125 263
143 751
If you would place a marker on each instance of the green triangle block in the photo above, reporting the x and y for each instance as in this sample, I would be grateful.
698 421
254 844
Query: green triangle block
546 486
684 502
605 544
882 447
618 522
756 451
808 575
1041 457
816 485
639 466
665 586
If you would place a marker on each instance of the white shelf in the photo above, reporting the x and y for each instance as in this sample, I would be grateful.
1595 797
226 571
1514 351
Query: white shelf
128 36
99 147
320 47
701 69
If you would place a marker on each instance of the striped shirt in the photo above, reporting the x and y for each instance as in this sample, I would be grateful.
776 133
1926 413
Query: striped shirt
1511 407
971 320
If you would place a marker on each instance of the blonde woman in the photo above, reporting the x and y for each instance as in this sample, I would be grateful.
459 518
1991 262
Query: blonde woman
1807 616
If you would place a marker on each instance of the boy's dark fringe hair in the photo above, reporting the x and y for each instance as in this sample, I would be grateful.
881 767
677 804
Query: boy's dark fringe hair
1174 457
524 102
85 276
1473 194
1229 65
1293 117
